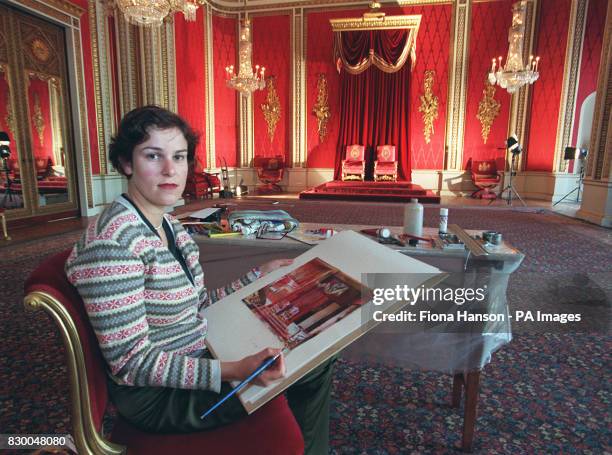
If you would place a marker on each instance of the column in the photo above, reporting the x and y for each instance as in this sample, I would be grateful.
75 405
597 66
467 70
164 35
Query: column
596 203
458 83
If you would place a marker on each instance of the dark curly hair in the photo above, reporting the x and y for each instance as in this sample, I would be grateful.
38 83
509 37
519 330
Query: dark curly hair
134 129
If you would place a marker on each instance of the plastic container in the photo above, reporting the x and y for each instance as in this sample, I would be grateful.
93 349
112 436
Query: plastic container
413 218
443 229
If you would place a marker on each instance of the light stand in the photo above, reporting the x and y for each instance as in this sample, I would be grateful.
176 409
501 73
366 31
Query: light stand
570 154
5 152
515 149
8 192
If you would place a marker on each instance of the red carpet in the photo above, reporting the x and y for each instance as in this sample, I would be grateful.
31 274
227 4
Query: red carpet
370 191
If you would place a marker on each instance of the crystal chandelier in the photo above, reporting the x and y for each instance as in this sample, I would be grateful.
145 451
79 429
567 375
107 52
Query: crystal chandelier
513 75
151 13
247 80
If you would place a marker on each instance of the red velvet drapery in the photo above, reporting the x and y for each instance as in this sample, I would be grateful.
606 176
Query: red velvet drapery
374 105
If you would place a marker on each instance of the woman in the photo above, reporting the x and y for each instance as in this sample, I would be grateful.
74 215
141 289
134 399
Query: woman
138 273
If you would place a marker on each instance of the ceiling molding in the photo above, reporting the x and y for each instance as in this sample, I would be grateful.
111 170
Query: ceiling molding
235 6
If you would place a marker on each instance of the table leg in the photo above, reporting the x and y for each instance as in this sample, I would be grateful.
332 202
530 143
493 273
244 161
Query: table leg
4 228
472 384
457 390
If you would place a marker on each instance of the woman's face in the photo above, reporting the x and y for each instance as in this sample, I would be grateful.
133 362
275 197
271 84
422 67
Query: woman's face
158 169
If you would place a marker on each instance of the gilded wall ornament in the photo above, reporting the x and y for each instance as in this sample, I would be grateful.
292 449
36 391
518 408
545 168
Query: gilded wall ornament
321 108
37 119
429 105
488 109
9 118
40 50
271 108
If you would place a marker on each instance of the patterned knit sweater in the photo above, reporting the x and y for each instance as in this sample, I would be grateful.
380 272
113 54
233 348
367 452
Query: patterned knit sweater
145 311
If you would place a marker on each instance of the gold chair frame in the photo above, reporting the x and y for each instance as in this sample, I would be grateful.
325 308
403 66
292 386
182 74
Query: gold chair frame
86 438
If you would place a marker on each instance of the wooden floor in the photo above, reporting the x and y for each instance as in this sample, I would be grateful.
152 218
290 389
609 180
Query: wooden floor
39 230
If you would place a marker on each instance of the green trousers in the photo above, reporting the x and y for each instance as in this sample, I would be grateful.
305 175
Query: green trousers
167 410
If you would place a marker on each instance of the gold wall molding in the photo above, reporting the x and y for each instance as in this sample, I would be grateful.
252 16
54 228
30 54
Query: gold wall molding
600 145
169 65
245 119
455 119
9 118
520 102
321 108
488 110
84 127
271 108
298 83
429 105
209 75
61 11
97 17
571 79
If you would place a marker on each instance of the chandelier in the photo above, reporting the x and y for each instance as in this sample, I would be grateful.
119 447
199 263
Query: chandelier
514 74
247 80
151 13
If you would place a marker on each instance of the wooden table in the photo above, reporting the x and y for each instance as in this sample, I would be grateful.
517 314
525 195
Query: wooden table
461 354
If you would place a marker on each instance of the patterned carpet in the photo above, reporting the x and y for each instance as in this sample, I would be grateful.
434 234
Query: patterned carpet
543 393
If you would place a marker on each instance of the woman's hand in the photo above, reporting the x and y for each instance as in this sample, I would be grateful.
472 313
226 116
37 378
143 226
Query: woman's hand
273 265
242 369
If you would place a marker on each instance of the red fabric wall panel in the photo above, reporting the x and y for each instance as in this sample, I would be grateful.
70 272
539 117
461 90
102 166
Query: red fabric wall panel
226 125
4 99
319 59
551 44
272 50
591 56
190 83
488 39
40 90
432 53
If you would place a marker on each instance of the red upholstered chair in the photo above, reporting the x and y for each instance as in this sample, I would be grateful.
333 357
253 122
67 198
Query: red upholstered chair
485 177
43 166
201 184
353 166
13 167
270 430
385 167
270 172
196 186
214 183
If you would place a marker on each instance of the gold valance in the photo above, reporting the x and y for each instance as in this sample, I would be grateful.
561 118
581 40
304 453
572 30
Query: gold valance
371 22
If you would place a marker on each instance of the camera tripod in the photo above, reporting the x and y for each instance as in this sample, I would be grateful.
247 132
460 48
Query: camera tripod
580 179
8 192
509 188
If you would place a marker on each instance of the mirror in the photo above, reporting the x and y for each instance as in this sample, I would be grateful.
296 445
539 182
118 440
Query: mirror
11 196
45 104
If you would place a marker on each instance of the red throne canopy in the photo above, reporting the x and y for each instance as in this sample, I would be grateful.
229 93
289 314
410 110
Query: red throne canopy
374 94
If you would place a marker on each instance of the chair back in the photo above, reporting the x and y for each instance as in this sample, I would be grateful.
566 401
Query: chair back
48 289
13 166
484 167
355 152
269 163
385 153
